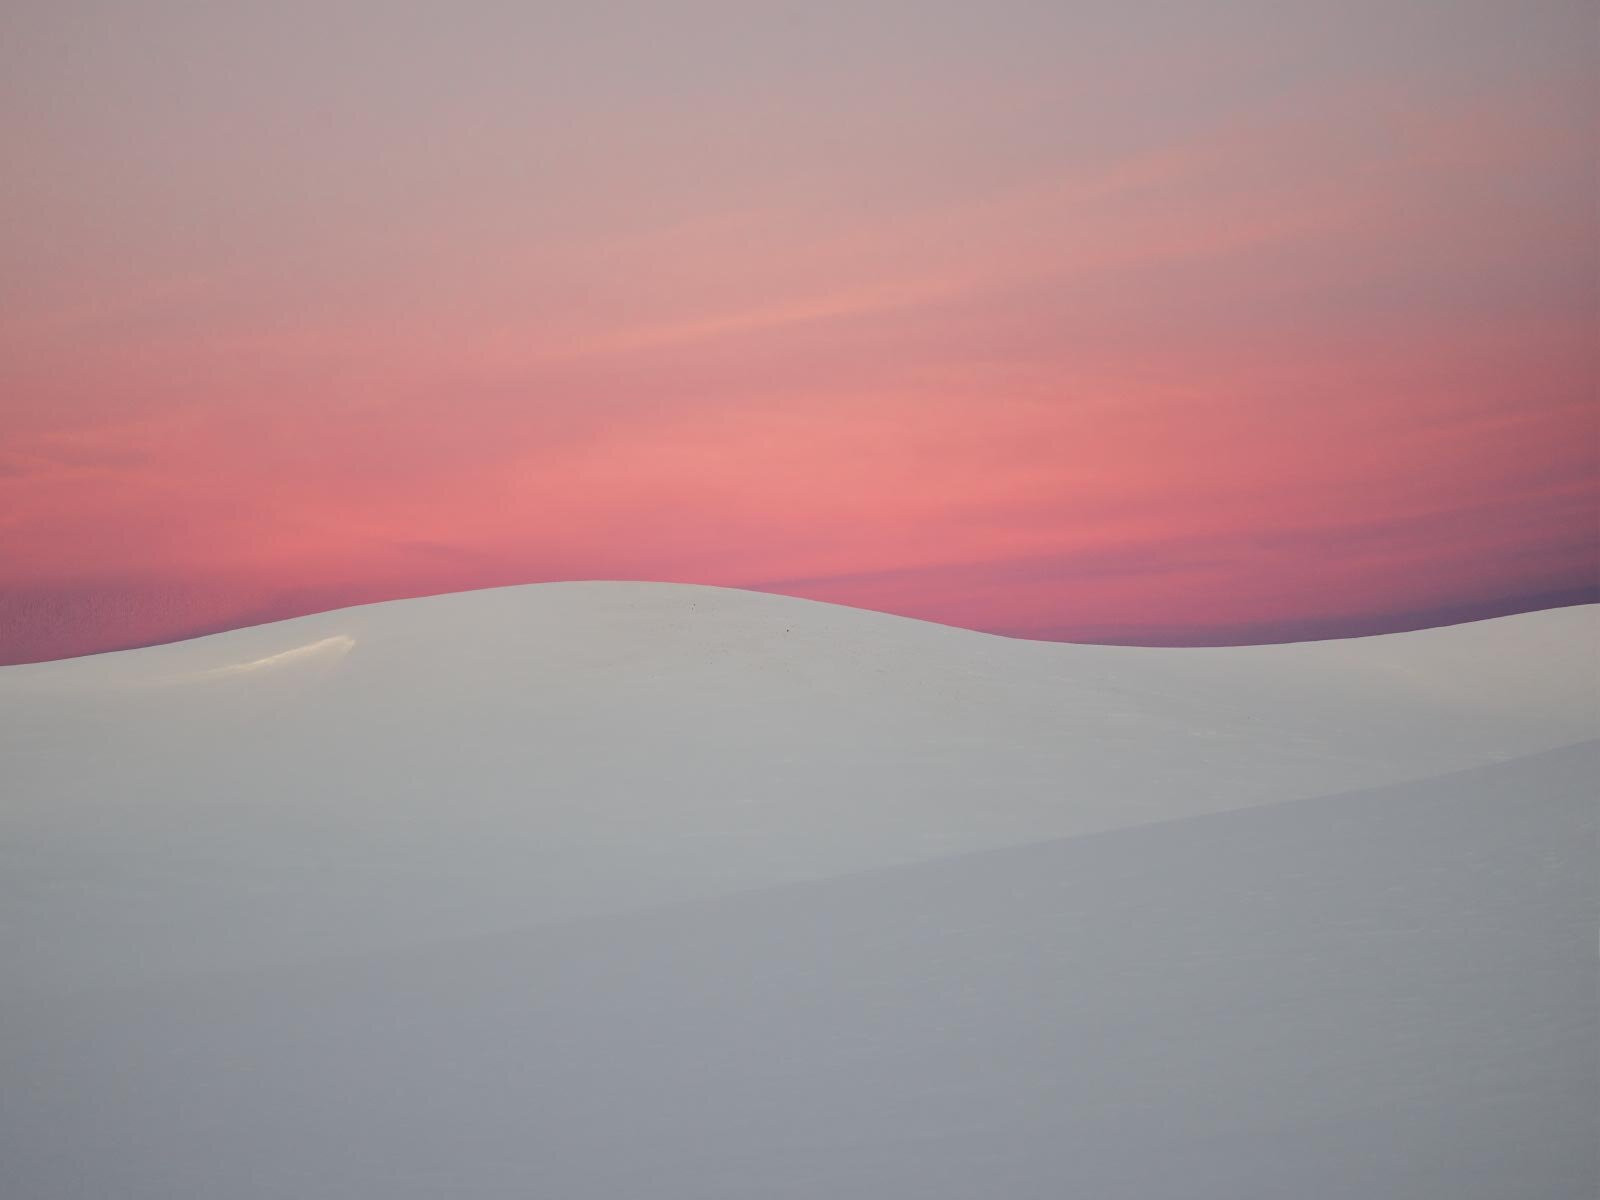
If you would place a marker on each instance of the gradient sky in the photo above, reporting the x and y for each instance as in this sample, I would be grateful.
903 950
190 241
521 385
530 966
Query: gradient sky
1179 322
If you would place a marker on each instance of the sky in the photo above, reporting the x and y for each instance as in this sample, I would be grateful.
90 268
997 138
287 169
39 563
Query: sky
1148 323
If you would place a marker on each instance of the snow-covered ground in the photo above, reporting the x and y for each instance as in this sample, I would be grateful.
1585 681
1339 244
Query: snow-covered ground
614 890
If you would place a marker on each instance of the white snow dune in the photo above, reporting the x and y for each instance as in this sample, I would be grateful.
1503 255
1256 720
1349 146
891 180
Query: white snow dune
607 890
445 767
1380 996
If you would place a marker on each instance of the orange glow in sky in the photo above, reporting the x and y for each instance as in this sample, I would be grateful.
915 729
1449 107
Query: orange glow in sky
1198 323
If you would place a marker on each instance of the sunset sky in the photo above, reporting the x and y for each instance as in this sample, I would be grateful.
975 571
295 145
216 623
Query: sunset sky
1166 323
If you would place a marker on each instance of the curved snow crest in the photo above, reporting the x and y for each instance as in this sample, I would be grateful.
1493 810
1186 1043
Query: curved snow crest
323 650
482 761
329 647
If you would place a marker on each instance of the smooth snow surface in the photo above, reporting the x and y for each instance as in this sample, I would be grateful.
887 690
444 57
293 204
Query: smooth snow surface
614 890
1383 996
446 767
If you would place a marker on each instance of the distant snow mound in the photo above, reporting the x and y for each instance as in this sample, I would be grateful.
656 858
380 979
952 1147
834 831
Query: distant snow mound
465 764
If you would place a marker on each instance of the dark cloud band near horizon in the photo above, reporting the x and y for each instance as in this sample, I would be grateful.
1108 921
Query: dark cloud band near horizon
1147 324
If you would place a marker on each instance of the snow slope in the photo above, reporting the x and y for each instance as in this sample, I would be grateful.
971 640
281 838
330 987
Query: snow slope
399 773
1380 996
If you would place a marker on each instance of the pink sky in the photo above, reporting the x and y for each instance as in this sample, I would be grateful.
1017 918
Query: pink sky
1182 324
